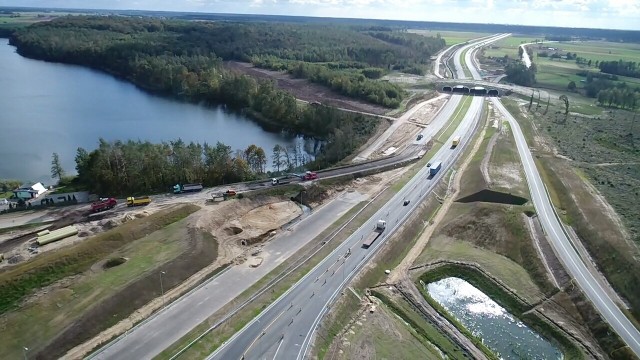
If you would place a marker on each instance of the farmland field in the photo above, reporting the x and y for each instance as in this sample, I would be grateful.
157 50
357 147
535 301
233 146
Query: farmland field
451 37
507 46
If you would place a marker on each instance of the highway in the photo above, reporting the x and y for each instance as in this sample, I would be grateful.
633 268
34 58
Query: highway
152 336
285 329
561 244
555 231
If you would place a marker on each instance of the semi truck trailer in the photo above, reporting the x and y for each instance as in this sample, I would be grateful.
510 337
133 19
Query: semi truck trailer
435 167
280 181
178 189
377 231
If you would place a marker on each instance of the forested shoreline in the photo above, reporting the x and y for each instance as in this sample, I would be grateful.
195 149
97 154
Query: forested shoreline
162 57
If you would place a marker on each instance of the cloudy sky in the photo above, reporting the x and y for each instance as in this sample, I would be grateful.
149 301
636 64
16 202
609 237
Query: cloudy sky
608 14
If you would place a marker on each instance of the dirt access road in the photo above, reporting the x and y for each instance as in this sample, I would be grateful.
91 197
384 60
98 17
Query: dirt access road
304 90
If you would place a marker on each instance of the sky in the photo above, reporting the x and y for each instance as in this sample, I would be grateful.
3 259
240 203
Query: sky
604 14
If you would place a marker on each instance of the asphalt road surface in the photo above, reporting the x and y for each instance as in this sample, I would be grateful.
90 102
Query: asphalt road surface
287 327
567 254
153 336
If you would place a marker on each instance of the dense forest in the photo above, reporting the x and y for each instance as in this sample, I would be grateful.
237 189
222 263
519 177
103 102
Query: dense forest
150 54
622 68
113 43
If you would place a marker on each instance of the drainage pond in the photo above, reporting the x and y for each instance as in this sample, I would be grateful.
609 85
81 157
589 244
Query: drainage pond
504 334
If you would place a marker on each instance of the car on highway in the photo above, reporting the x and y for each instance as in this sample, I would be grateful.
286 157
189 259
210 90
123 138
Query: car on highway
406 202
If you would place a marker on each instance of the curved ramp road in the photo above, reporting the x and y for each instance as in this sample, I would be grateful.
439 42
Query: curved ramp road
569 256
560 242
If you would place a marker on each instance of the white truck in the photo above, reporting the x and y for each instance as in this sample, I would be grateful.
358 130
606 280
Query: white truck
377 231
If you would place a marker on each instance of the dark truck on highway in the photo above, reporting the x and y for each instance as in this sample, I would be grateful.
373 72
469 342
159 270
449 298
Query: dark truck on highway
434 168
377 231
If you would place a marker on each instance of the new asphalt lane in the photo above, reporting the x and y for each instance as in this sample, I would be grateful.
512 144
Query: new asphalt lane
286 328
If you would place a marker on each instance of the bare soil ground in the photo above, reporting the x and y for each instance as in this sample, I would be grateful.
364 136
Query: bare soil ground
229 222
305 90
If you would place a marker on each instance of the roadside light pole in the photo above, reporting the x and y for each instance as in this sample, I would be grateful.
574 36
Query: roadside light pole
24 352
161 287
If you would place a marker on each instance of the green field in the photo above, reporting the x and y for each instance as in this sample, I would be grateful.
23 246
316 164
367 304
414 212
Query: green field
556 74
507 46
451 37
601 50
63 305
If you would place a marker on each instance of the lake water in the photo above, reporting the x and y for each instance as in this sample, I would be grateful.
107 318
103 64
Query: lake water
48 107
507 336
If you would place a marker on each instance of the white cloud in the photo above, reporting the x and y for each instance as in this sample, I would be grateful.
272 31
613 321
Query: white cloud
575 13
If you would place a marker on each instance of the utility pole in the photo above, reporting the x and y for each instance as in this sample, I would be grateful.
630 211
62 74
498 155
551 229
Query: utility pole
162 288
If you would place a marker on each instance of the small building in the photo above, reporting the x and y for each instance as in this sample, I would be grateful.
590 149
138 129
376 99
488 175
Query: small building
29 191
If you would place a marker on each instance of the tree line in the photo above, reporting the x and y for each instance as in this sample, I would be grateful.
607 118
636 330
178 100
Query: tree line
137 167
622 68
620 96
352 83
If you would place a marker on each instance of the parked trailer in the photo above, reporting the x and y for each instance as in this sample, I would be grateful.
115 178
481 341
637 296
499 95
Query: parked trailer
56 235
435 167
377 231
138 201
178 189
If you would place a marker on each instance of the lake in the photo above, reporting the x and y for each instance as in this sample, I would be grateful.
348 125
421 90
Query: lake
48 107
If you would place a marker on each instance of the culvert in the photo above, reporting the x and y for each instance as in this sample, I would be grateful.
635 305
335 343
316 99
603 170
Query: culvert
491 196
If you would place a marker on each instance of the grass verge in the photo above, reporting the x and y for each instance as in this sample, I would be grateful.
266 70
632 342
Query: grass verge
426 332
19 281
391 254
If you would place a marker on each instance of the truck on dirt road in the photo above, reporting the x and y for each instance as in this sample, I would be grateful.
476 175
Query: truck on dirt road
435 167
377 231
103 204
309 175
138 201
280 181
179 189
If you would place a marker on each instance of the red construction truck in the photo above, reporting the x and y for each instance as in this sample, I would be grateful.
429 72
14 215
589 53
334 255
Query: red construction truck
377 231
103 204
309 175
